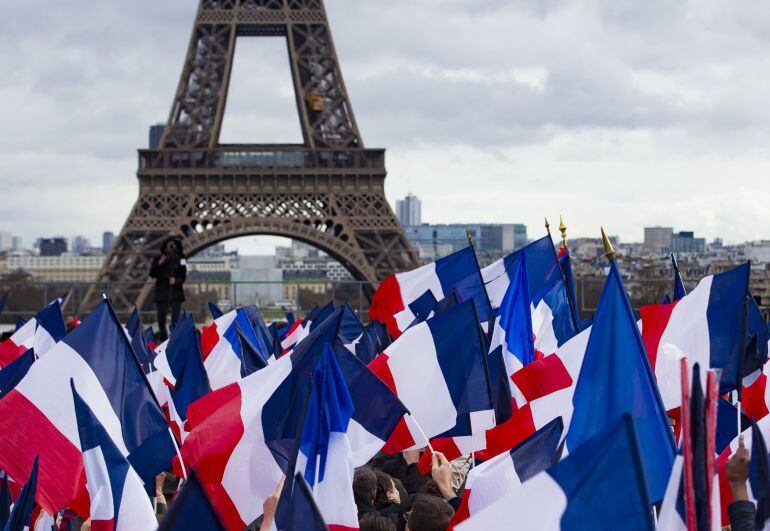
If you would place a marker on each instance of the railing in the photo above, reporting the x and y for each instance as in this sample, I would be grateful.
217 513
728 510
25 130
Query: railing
275 298
257 157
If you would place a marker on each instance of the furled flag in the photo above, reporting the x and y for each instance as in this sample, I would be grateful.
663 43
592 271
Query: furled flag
243 434
437 369
39 333
323 452
221 349
512 332
679 290
600 485
37 417
19 519
190 379
3 300
503 474
216 313
692 497
191 509
708 326
615 378
118 498
552 320
457 273
351 326
302 512
565 264
251 359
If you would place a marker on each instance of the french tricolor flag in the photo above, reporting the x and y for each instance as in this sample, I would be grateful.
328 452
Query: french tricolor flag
117 496
37 417
243 434
708 326
502 475
221 348
457 273
39 333
437 369
600 485
324 455
553 322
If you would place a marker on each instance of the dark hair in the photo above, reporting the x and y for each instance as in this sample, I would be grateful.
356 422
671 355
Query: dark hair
430 487
177 243
364 486
384 486
429 513
375 522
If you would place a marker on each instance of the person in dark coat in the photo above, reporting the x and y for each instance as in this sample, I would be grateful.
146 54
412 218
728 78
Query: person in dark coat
169 270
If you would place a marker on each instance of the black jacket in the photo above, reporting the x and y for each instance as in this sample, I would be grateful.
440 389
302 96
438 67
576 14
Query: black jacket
175 267
743 515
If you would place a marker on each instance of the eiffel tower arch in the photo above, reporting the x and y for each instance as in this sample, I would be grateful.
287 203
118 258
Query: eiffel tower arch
328 191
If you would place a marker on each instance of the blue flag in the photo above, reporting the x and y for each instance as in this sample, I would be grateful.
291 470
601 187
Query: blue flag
615 379
22 509
516 317
191 509
5 501
679 290
302 512
3 300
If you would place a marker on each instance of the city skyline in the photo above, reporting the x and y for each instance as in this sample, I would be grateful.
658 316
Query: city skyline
640 124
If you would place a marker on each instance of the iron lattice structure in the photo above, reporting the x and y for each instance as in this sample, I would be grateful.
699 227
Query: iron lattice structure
328 192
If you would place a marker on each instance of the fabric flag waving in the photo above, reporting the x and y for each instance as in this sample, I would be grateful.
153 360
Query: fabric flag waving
19 520
679 291
221 349
191 509
303 513
598 486
493 479
39 333
5 501
708 326
437 369
615 378
37 418
118 499
251 359
458 273
324 455
12 374
512 333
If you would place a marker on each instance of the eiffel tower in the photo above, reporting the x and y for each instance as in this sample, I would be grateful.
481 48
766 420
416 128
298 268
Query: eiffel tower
327 192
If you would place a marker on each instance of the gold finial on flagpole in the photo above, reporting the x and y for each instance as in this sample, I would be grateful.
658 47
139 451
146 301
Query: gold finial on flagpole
547 227
563 230
608 250
468 235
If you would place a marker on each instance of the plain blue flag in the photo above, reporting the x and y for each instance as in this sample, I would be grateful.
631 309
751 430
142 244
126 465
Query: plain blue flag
516 316
615 379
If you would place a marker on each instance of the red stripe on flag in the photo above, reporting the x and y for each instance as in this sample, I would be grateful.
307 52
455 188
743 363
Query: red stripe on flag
505 436
400 439
753 398
212 441
655 319
379 366
463 512
542 377
10 351
209 339
387 302
102 525
445 445
27 432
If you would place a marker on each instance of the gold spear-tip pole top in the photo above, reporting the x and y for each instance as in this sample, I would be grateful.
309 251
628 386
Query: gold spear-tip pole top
547 227
608 250
563 230
470 238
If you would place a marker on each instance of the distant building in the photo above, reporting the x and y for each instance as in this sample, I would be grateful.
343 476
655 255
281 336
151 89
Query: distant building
409 210
258 280
6 241
435 241
686 242
80 245
16 243
658 239
63 267
53 246
108 240
156 133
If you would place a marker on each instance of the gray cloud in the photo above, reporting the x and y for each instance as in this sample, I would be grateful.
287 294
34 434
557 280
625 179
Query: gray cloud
619 112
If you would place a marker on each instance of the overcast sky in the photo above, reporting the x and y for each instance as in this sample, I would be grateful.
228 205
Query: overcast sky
614 112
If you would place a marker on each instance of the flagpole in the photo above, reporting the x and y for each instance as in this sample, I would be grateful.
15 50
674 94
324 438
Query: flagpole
476 258
178 453
419 428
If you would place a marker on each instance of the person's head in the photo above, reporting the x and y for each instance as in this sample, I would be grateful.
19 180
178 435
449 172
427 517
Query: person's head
172 246
386 489
375 522
364 486
430 487
429 513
